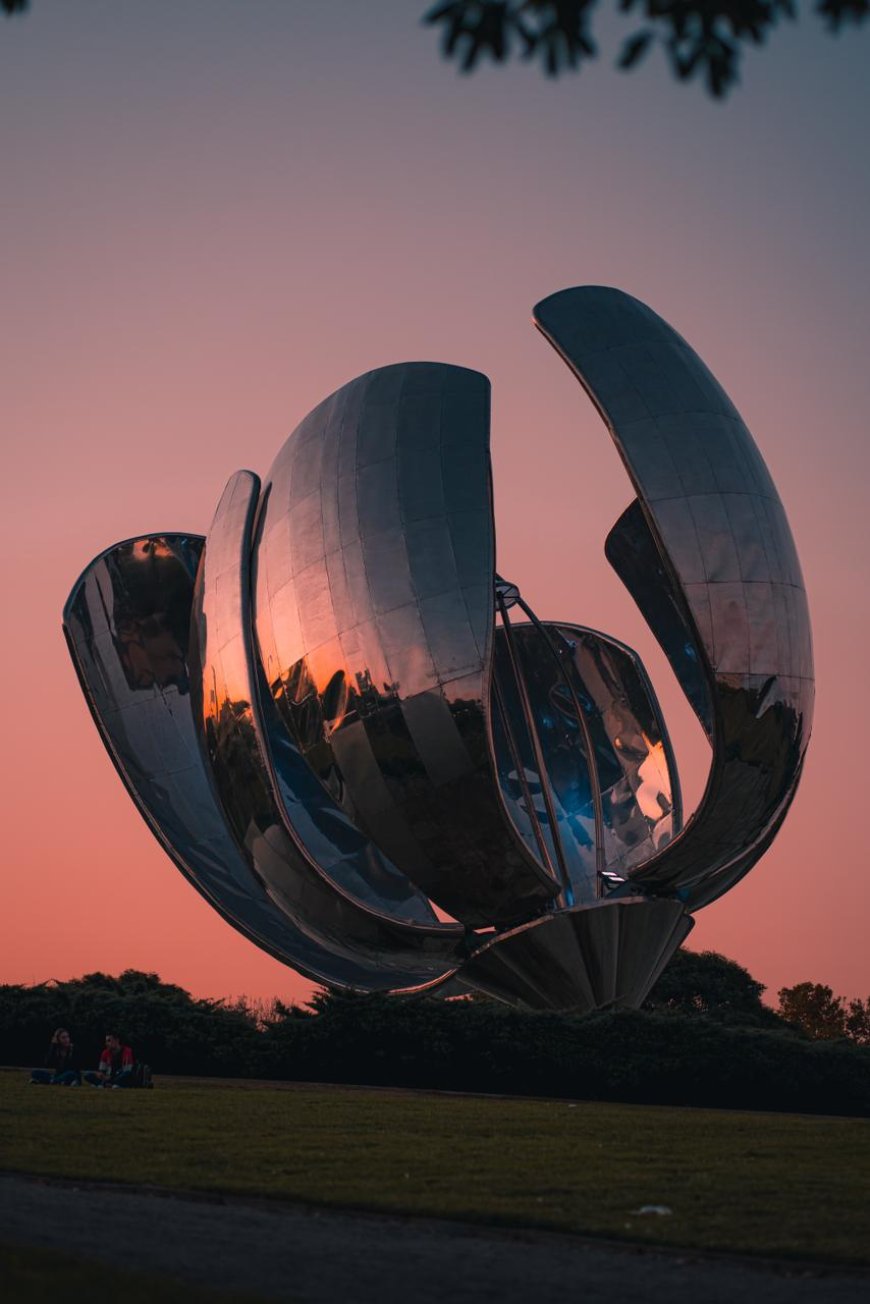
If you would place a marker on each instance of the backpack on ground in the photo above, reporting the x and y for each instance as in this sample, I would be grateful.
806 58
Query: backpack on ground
142 1075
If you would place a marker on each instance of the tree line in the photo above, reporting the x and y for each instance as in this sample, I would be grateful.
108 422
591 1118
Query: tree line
704 1037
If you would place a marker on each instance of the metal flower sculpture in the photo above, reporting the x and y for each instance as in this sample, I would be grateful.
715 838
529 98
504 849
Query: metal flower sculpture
363 748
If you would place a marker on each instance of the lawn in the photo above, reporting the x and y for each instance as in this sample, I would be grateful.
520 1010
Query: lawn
775 1184
32 1276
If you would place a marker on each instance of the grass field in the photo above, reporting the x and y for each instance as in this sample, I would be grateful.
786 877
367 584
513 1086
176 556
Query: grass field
31 1276
774 1184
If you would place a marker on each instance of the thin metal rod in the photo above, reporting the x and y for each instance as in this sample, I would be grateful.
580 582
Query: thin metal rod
521 773
591 762
536 747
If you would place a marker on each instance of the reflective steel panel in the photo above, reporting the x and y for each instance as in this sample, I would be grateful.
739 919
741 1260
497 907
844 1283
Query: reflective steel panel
127 626
725 573
633 553
374 617
224 695
604 956
343 737
566 668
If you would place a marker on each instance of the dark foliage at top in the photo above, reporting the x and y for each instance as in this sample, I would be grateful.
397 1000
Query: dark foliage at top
705 1038
699 37
702 38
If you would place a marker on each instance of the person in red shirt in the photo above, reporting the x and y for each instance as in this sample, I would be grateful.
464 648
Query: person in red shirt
116 1065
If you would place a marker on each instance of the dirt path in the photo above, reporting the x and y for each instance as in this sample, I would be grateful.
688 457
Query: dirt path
315 1257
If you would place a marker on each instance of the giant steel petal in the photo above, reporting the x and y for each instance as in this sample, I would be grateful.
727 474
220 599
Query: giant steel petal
127 624
570 669
726 566
404 953
374 617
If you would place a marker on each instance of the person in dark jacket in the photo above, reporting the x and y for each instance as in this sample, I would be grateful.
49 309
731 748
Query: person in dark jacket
116 1065
61 1066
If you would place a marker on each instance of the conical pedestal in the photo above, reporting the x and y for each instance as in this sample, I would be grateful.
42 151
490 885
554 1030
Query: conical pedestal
607 955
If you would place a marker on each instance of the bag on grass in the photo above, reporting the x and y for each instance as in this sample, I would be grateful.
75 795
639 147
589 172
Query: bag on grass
142 1075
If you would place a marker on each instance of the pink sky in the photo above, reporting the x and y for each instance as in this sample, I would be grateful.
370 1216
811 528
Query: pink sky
214 214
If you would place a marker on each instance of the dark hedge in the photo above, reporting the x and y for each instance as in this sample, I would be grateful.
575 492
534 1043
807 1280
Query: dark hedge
719 1057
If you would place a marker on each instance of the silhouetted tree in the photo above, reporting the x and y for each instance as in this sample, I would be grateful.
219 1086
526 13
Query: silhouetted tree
708 983
814 1009
699 37
858 1022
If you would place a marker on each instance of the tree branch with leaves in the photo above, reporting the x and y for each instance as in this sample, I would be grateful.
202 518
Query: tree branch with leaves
703 38
699 38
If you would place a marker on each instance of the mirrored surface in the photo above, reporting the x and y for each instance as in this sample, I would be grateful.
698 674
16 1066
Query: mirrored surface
350 734
715 569
567 670
224 697
127 625
374 617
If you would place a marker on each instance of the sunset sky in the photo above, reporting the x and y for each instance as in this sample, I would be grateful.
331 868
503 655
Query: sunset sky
215 212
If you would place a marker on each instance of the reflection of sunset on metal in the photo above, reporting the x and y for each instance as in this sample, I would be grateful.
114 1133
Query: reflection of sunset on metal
491 769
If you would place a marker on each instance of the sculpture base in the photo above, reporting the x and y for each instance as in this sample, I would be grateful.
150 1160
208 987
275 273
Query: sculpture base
597 957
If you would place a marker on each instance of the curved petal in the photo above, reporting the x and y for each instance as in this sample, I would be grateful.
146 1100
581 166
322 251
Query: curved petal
127 624
374 615
633 553
726 565
567 667
224 693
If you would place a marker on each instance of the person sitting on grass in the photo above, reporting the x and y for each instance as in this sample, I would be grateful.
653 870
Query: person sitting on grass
61 1068
116 1065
